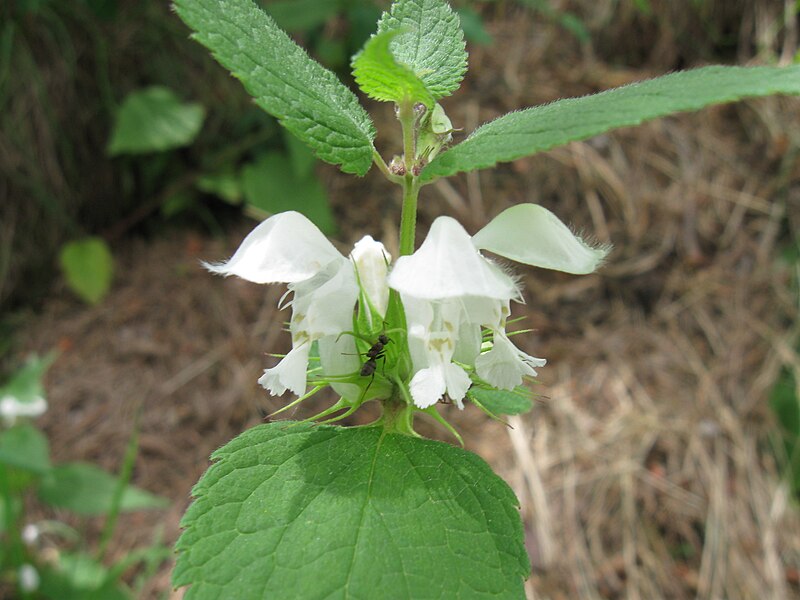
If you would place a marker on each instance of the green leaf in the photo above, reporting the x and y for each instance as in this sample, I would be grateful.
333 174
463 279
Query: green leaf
224 184
784 400
25 384
430 43
544 127
307 98
153 120
302 159
472 24
25 447
271 186
305 511
302 15
88 267
88 490
79 577
502 402
382 78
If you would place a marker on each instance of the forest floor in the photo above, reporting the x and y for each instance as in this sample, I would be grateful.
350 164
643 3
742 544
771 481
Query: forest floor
644 470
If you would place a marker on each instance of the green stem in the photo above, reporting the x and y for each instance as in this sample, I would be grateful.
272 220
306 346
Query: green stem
384 168
408 217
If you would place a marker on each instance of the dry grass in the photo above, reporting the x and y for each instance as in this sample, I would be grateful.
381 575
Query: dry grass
645 471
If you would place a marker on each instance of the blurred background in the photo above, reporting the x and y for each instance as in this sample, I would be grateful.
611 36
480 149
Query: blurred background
661 459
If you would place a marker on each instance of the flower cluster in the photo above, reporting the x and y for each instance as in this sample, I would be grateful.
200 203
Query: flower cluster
455 301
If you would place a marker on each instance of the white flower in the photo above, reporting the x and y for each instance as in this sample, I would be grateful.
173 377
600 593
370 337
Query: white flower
30 533
450 290
288 248
11 408
28 578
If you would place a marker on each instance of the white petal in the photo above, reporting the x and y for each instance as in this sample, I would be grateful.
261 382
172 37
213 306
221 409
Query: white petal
468 345
428 386
11 408
340 357
447 265
505 364
457 382
321 307
285 248
289 374
372 265
531 234
28 578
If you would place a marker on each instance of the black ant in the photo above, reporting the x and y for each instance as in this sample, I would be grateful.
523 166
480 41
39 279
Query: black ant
376 351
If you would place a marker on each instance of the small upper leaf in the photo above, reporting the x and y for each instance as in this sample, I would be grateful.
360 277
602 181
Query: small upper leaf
430 42
295 510
152 120
307 98
544 127
381 77
89 268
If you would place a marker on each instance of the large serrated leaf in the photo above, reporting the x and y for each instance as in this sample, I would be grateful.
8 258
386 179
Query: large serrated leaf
300 511
307 98
382 78
431 43
544 127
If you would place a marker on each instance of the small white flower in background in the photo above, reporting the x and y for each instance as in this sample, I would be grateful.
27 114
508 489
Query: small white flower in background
288 248
30 534
450 290
12 408
28 578
23 395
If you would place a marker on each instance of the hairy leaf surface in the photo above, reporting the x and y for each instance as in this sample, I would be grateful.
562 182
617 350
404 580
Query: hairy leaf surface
431 43
305 511
544 127
381 77
307 98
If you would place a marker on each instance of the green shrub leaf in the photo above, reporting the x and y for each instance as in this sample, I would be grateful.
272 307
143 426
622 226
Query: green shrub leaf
88 267
544 127
502 402
303 511
88 490
430 42
25 447
271 185
382 78
79 577
25 385
307 98
153 120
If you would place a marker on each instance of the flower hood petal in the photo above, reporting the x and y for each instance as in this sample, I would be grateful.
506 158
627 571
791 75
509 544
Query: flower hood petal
531 234
286 248
447 265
